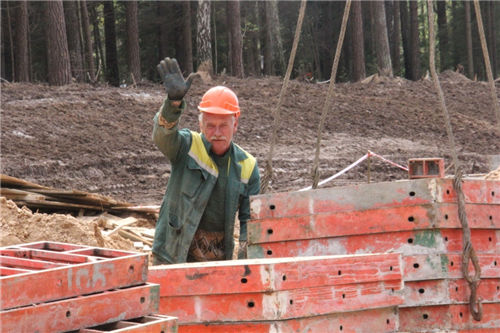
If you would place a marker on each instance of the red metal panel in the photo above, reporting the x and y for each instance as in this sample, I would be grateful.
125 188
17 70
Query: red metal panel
405 242
441 266
346 198
66 279
488 290
279 305
373 321
147 324
483 240
82 311
260 275
479 216
50 246
447 317
475 191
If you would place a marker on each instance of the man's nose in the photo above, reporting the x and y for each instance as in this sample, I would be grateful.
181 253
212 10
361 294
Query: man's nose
217 131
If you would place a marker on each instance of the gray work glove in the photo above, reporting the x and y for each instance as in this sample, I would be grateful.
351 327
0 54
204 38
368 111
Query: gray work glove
173 80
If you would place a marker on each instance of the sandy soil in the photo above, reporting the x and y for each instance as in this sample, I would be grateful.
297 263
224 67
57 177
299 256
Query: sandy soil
98 138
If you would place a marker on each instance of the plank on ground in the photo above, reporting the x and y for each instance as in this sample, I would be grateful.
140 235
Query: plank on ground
382 220
297 303
82 311
447 317
261 275
373 321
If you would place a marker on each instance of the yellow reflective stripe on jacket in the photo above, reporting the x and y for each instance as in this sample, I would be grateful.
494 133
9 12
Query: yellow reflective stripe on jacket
200 155
247 166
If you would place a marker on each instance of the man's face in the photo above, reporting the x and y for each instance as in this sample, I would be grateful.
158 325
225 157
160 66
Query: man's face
219 130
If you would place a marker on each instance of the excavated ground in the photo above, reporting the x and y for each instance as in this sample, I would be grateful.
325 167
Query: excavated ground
98 138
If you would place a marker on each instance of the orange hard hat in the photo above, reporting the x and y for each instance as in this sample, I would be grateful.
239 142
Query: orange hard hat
220 100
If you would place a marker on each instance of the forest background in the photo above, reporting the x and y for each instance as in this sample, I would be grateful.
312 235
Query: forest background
120 42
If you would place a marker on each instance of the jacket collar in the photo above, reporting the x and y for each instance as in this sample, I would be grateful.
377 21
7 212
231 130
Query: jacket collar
236 154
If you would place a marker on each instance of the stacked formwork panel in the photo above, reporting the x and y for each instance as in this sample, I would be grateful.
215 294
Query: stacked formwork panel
317 294
58 287
417 218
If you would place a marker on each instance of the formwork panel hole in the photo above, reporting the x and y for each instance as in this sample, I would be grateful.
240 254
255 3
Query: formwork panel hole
269 231
492 193
142 300
343 295
291 301
269 252
445 216
421 290
387 321
411 219
244 280
390 268
451 263
445 238
272 207
392 290
339 272
491 218
498 288
68 314
412 193
284 277
489 239
251 304
131 269
410 240
456 289
447 191
461 314
425 316
495 263
341 328
416 265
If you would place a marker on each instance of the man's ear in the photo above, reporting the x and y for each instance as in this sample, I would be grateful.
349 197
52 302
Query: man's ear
235 124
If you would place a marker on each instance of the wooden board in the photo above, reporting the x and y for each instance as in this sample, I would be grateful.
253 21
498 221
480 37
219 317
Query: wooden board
373 321
264 275
296 303
82 311
44 275
382 220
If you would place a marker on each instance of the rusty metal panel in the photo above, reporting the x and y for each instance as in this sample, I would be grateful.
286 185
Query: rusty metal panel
447 317
483 240
82 311
280 305
146 324
63 273
346 198
405 242
479 216
262 275
488 291
475 191
373 321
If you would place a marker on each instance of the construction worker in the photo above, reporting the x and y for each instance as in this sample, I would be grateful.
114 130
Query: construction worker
211 179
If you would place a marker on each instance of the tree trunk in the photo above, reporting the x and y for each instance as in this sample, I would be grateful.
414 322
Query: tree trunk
186 33
74 40
233 12
396 44
59 68
384 63
89 48
229 52
164 28
444 53
414 42
133 57
112 73
203 37
278 54
468 38
97 37
358 49
21 43
268 41
405 35
490 28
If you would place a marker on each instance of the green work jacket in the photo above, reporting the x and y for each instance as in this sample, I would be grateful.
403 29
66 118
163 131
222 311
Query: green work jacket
192 179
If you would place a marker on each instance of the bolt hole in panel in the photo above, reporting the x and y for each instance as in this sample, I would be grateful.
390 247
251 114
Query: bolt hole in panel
45 271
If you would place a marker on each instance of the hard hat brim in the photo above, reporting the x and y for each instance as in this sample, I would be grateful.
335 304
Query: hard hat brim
218 110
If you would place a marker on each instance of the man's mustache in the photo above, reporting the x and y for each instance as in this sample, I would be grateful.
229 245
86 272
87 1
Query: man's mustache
218 138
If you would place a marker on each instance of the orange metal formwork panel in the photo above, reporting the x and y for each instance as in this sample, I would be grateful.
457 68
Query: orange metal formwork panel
297 303
41 272
262 275
448 291
442 266
475 191
483 240
146 324
373 321
447 317
82 311
383 220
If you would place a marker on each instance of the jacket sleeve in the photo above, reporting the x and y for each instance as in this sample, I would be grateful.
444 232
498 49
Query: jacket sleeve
167 138
244 210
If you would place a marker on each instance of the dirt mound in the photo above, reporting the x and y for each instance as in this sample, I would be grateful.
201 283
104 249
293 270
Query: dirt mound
452 76
21 225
